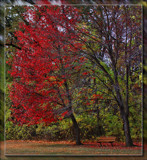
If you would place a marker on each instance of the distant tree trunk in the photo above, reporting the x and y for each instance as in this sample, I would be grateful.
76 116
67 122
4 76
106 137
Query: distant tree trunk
99 127
33 132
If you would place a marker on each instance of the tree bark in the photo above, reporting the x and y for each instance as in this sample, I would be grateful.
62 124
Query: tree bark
76 130
124 116
75 124
125 119
124 113
126 126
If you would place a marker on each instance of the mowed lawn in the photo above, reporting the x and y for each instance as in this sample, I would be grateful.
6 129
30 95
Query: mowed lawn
68 148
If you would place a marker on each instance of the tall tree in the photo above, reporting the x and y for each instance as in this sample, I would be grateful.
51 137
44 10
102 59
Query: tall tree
43 65
118 35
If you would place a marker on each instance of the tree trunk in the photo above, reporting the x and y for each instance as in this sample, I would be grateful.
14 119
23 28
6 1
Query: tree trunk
75 124
124 113
125 119
126 125
76 130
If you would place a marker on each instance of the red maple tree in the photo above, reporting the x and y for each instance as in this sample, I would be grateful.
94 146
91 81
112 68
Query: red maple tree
43 66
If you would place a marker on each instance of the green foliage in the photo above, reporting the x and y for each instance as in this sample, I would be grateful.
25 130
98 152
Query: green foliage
136 122
112 124
55 131
88 126
15 132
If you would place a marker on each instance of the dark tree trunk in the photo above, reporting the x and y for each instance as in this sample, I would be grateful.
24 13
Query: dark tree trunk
76 130
125 119
123 111
126 126
75 124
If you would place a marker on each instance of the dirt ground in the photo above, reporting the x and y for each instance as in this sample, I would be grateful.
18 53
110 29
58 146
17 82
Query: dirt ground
22 150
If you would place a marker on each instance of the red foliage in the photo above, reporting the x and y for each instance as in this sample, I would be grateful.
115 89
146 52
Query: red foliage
42 65
85 73
96 97
64 113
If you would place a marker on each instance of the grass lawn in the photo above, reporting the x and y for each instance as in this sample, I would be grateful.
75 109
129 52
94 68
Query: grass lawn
118 151
68 148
